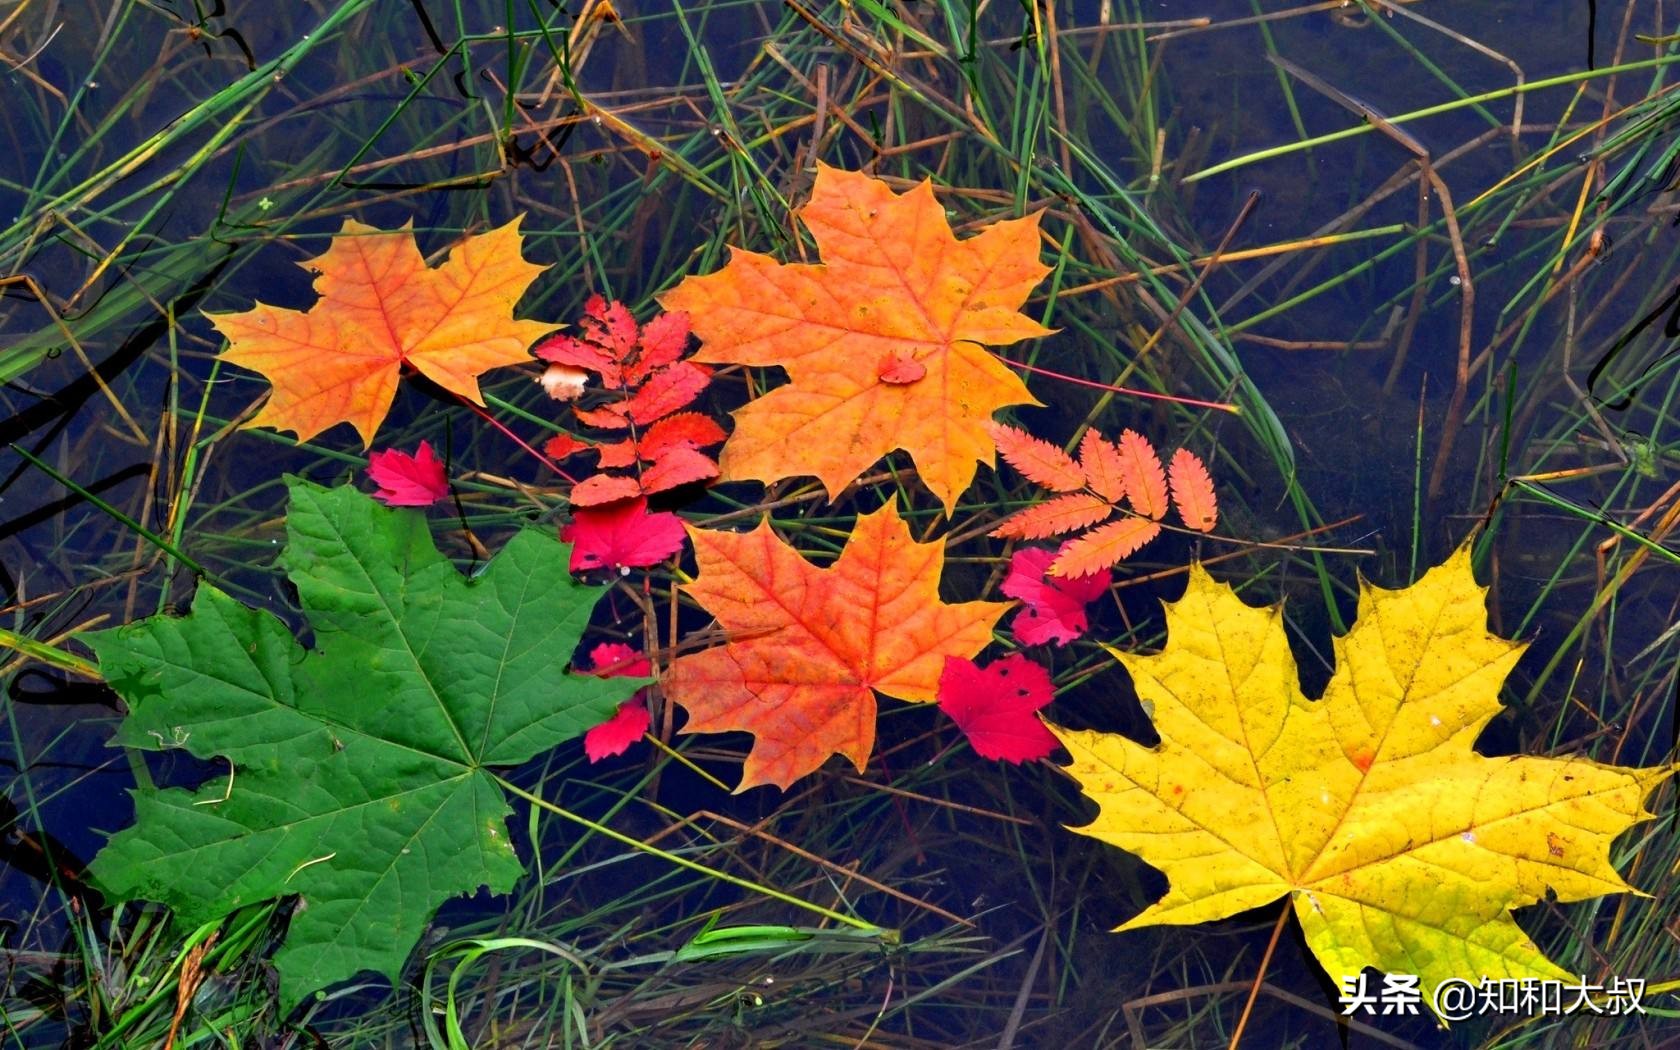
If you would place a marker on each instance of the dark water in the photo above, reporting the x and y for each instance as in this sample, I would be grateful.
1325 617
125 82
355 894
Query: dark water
264 196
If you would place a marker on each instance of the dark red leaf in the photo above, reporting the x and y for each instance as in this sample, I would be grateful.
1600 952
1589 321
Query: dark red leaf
405 480
578 353
996 706
666 391
616 734
621 536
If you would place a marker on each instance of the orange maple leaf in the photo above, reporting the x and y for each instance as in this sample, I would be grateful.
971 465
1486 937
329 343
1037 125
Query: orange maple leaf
895 291
808 646
382 306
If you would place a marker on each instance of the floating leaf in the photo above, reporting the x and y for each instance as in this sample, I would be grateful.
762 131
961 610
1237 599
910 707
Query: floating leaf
1103 546
1146 482
996 706
406 480
894 283
381 307
1105 471
1398 846
808 646
1052 609
1054 517
1192 491
631 720
355 775
647 380
621 536
1038 460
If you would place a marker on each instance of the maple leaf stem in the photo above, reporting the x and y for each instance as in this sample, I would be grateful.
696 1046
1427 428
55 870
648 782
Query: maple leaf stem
680 861
1220 406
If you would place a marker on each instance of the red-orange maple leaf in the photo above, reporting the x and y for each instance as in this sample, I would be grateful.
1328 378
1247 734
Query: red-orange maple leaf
884 341
808 646
381 307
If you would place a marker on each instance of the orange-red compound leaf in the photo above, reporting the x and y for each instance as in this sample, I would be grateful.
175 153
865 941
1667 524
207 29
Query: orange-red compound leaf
1192 491
808 646
564 446
894 281
1103 546
1038 460
603 488
381 306
1105 471
689 430
677 466
1146 482
666 391
1054 517
618 454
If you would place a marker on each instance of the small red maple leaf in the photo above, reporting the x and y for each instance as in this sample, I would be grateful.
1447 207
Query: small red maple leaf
406 480
1053 607
996 706
631 720
622 536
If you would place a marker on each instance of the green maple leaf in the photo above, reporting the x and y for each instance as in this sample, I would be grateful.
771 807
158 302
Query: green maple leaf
359 778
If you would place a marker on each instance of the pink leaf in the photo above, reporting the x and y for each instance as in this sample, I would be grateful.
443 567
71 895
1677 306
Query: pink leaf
1053 609
616 734
631 720
996 706
407 480
622 536
617 660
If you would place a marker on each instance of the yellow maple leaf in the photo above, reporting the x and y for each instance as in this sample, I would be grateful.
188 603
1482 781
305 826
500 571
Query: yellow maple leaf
884 340
381 306
1399 846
